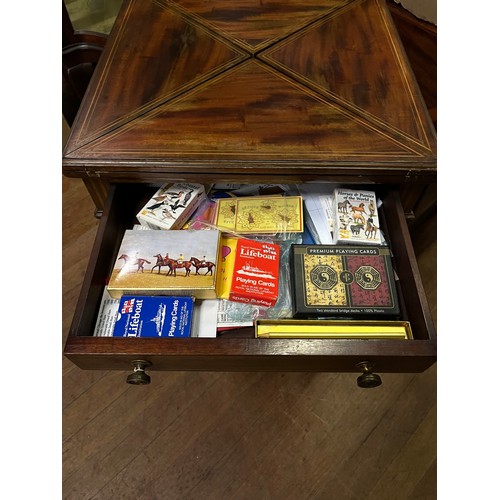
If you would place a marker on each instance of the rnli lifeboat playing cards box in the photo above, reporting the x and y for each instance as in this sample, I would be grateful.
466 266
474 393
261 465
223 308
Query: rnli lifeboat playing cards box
343 281
142 316
171 206
248 271
355 217
177 262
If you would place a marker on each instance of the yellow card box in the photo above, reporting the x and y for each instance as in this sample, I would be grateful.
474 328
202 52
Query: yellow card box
225 267
260 214
332 329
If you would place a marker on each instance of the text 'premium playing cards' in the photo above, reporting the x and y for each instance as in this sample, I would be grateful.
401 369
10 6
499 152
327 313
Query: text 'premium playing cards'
343 281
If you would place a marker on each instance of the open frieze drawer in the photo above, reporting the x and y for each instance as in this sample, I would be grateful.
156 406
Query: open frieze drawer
240 351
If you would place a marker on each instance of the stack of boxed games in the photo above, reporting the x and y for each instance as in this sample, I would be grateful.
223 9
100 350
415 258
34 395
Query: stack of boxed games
171 206
355 217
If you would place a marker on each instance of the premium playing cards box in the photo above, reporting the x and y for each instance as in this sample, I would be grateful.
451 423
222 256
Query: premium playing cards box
143 316
343 281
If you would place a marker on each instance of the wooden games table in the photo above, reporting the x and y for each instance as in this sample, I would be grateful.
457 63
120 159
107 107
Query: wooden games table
252 92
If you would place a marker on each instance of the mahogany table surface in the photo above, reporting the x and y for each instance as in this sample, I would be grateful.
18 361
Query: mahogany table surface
249 90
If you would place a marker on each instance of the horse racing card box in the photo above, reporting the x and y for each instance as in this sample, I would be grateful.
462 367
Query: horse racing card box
343 281
356 217
143 316
171 206
176 262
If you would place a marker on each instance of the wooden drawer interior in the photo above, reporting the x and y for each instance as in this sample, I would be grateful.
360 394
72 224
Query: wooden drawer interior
239 350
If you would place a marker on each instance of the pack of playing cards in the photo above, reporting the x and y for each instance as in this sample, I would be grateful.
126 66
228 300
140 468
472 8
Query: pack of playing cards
165 317
343 281
248 271
356 217
177 262
171 206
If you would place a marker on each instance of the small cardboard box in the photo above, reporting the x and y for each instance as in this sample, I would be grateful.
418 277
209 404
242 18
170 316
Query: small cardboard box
260 214
356 217
165 317
248 271
344 281
171 206
177 262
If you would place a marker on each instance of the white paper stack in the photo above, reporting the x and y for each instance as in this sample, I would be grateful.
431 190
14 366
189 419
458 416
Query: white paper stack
318 211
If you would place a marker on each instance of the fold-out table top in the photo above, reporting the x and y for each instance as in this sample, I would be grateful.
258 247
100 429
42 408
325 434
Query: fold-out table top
297 87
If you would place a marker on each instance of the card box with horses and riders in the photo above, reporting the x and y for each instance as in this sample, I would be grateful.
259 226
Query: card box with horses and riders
356 217
175 262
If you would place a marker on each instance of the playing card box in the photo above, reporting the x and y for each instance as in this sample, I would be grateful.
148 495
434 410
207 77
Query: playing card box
356 217
343 281
248 271
176 262
260 214
143 316
171 206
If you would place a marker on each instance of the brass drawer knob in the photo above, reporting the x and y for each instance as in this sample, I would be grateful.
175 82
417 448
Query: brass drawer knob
139 375
368 379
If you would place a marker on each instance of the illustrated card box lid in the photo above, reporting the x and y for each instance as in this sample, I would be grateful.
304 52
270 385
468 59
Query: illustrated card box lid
343 281
176 262
260 214
157 316
171 206
356 217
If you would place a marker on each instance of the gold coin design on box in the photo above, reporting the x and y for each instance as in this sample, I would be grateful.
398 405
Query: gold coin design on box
324 277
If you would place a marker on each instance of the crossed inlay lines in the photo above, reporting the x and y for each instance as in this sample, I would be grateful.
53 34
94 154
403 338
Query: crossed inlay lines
234 50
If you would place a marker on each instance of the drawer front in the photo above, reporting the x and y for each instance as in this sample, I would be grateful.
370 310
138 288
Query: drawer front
239 350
